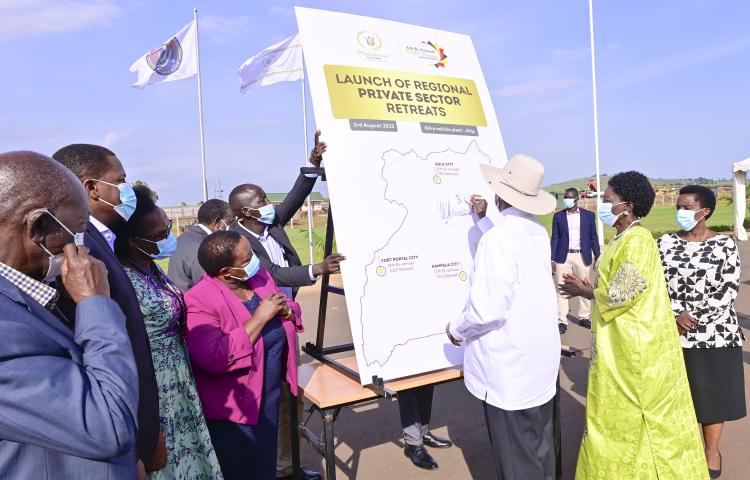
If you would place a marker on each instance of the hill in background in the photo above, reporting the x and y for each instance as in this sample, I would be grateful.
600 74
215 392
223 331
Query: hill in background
582 184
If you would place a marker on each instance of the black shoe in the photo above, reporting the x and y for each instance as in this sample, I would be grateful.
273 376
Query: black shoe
419 457
716 473
585 323
436 442
305 474
562 327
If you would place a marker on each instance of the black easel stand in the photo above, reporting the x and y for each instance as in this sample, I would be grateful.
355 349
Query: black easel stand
317 350
322 353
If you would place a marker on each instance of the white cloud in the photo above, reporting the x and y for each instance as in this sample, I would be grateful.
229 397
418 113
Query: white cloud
281 10
536 87
21 19
113 139
221 30
569 54
664 66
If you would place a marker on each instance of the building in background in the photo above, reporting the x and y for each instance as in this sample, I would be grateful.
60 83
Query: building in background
185 216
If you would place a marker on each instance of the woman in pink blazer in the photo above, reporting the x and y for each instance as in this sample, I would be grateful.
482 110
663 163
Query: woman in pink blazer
241 336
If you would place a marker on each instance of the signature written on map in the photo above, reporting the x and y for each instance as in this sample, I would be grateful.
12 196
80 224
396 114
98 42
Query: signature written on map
453 208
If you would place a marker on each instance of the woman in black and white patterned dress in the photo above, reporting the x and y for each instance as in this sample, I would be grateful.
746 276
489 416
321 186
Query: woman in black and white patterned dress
703 275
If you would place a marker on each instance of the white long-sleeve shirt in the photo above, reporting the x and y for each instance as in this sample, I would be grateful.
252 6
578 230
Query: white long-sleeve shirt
509 324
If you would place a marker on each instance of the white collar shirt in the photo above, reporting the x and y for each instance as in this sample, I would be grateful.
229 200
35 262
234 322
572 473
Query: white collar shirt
274 250
574 229
205 229
509 324
276 253
108 234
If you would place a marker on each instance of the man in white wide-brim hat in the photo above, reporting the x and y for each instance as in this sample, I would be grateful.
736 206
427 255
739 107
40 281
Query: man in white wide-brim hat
509 324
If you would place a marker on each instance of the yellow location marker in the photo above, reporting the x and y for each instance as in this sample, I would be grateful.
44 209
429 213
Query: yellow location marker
436 179
380 271
463 276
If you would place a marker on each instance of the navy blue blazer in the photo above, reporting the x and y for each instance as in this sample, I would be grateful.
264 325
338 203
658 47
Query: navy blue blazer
296 274
561 239
123 293
67 402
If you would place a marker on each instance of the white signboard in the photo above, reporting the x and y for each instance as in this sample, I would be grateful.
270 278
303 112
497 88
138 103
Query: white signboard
408 119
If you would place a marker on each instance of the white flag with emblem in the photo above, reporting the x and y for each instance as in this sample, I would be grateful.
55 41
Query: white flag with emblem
175 59
281 62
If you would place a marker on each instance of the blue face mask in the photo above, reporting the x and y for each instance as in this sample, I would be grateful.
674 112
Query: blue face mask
166 247
606 216
569 202
250 269
686 219
128 200
54 268
267 214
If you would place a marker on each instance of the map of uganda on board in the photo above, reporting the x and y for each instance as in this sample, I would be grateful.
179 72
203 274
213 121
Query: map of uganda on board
408 120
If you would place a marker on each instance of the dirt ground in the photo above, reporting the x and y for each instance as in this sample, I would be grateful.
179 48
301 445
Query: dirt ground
368 439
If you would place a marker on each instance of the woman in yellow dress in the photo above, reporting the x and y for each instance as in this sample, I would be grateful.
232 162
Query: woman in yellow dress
640 421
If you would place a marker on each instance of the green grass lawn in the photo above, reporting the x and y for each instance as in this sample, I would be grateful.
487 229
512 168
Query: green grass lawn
661 219
298 237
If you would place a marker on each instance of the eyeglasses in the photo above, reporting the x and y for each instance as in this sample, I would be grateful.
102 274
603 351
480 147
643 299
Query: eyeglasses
161 237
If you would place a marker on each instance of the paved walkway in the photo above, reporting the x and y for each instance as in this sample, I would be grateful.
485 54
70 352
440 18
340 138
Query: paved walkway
368 441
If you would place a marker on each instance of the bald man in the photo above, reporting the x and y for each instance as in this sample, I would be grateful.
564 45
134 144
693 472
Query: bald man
67 398
263 225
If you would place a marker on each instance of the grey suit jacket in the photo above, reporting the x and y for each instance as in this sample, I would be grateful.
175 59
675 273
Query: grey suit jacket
184 269
68 399
295 275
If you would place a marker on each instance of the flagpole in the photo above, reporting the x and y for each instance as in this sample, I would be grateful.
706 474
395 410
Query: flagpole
309 202
599 226
200 107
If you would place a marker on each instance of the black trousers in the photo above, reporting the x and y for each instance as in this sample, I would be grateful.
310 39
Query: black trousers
415 410
522 442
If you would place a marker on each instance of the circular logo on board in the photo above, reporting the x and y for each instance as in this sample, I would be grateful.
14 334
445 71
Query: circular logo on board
369 40
167 58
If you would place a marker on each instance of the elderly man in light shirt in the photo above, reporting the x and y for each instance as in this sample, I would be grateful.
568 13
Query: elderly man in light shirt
508 327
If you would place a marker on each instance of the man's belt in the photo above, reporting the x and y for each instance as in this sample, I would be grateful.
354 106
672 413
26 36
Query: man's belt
574 251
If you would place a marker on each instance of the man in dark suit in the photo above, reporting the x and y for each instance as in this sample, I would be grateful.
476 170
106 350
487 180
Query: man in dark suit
67 402
263 225
184 269
109 199
574 243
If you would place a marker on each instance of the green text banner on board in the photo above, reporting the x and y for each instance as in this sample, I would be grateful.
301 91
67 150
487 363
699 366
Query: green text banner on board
408 119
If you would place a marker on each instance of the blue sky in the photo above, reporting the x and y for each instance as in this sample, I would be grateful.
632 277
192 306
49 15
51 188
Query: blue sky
672 79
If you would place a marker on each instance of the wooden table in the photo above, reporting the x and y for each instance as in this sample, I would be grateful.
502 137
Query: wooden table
329 390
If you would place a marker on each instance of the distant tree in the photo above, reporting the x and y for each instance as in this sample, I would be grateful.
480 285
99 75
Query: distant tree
154 195
183 204
200 203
